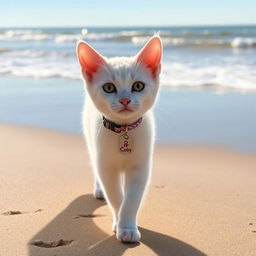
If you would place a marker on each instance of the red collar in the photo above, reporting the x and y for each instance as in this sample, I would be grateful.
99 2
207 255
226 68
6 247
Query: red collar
120 127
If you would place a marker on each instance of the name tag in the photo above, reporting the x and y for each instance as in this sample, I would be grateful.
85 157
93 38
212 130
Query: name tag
125 143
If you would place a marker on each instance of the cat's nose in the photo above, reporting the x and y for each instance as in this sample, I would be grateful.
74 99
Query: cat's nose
125 101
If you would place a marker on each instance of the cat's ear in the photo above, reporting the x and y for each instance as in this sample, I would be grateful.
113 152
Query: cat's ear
151 55
89 59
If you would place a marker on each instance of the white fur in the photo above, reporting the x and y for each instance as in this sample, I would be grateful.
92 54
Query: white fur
121 178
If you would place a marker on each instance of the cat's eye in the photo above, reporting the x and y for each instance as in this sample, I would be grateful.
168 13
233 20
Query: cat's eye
109 88
138 86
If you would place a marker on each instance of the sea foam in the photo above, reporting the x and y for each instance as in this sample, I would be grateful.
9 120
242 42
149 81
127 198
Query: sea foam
25 35
240 42
175 74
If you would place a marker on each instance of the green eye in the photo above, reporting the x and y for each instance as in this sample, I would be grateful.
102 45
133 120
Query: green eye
138 86
109 88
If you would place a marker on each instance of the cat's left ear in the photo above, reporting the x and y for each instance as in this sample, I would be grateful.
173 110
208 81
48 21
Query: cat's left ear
151 54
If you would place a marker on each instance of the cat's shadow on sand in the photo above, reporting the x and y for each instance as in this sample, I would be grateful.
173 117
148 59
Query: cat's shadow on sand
89 239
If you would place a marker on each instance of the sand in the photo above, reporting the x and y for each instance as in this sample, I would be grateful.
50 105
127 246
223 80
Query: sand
201 201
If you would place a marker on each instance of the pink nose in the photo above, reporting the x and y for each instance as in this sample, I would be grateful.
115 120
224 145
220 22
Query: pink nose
125 101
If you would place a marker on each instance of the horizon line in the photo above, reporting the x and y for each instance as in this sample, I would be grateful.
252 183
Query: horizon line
132 26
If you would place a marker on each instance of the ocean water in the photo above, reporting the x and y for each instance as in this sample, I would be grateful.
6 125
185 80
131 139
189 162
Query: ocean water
223 58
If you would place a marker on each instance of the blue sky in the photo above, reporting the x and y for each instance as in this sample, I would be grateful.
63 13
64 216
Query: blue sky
122 13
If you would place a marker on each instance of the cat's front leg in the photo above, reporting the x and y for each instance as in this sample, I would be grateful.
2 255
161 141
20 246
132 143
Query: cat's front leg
135 184
110 181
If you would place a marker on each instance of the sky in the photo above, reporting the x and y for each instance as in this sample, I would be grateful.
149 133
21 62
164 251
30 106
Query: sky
52 13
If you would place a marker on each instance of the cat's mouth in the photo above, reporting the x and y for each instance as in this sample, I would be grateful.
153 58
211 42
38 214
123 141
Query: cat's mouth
125 110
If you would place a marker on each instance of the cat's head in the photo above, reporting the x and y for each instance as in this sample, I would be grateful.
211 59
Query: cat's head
122 88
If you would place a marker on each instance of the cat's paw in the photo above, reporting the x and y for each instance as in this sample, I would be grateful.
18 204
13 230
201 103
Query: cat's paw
128 235
98 194
114 227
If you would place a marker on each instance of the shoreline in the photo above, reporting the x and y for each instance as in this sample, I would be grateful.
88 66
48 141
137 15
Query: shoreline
201 200
182 116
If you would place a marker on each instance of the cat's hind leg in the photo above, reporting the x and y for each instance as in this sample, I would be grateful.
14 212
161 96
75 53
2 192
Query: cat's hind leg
97 191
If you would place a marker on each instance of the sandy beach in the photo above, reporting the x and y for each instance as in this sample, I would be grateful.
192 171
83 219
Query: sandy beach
201 200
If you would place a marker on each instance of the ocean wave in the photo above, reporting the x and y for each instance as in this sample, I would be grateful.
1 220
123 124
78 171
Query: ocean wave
130 32
103 36
24 35
240 42
210 43
71 38
166 41
207 33
41 68
32 53
174 75
236 76
204 38
67 38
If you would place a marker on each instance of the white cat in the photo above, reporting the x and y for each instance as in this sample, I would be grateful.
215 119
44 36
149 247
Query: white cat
119 128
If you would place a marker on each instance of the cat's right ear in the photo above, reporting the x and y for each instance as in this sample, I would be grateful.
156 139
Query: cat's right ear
89 59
